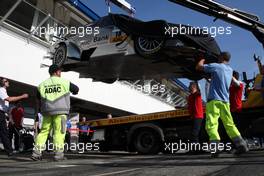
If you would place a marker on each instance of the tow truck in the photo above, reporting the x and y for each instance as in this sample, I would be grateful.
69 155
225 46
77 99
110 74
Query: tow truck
147 133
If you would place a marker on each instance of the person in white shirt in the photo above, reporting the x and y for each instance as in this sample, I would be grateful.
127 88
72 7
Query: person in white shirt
4 107
38 123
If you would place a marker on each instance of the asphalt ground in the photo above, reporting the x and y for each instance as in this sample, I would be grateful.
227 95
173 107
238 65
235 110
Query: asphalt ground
121 163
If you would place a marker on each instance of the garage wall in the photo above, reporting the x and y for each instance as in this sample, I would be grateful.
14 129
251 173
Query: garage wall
20 60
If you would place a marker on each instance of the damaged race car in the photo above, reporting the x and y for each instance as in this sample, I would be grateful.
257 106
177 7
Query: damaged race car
129 49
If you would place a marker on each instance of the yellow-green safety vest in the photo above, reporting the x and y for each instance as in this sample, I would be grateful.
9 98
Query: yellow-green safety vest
55 96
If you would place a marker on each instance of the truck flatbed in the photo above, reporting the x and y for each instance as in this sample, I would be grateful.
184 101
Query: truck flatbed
140 118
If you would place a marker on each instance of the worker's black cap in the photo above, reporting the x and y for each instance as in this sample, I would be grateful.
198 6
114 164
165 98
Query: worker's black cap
53 68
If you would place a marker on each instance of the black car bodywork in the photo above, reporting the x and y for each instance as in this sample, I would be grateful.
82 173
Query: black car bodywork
131 49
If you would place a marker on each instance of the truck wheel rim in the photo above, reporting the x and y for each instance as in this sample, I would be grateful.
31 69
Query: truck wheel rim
146 140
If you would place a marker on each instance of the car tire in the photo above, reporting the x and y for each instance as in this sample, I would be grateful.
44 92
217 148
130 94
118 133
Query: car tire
60 55
147 141
148 47
109 81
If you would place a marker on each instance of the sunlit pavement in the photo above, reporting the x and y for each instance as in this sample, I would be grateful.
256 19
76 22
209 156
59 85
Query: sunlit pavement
121 163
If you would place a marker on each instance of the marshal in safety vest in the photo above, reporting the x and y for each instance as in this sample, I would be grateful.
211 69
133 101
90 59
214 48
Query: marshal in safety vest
55 96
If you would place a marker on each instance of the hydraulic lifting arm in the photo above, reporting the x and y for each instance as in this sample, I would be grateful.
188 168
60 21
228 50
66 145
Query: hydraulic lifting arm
239 18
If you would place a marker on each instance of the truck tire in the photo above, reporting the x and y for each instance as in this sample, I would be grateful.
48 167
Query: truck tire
168 147
103 147
147 141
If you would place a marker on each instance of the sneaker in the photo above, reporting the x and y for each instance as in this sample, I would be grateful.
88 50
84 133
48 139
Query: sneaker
59 156
10 154
36 156
241 149
195 152
240 145
216 154
60 159
15 151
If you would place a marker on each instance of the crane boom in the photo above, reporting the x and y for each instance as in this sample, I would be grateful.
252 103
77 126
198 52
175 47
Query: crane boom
234 16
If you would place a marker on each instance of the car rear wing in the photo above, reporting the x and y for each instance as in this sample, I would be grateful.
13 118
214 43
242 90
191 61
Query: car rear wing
237 17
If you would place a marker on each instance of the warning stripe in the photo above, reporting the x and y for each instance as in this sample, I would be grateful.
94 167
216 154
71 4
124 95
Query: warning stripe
77 129
139 118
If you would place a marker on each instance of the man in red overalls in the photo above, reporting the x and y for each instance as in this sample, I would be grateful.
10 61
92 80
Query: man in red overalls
195 107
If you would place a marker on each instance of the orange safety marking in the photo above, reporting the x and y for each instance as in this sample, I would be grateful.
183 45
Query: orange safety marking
139 118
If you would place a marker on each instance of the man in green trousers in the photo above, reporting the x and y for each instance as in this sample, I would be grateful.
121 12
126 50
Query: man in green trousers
218 102
54 95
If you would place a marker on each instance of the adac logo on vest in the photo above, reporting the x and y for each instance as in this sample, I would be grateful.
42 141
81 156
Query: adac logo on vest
53 89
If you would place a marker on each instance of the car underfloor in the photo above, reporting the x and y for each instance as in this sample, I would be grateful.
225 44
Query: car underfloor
134 67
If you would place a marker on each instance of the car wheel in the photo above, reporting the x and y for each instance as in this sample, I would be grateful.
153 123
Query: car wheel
60 55
147 141
148 47
109 81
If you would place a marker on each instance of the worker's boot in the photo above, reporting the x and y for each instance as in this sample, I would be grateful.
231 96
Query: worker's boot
59 156
214 148
240 145
36 156
195 148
